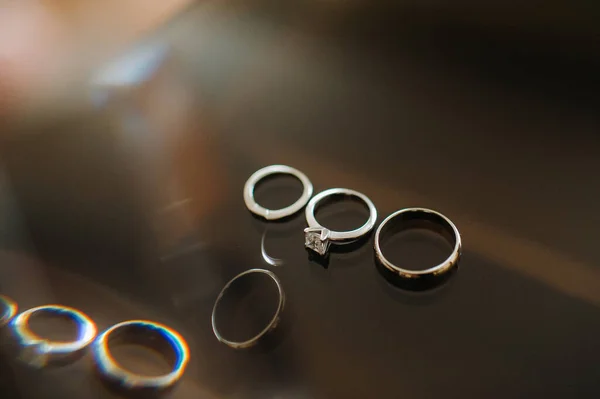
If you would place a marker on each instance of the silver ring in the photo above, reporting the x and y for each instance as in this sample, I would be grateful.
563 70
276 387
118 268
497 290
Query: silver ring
155 334
8 310
436 222
38 351
318 238
272 324
274 214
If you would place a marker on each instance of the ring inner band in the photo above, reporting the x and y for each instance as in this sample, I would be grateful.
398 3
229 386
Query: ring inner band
295 190
86 329
418 219
339 197
45 316
150 338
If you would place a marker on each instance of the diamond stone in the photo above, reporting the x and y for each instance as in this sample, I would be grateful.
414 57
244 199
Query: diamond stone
317 240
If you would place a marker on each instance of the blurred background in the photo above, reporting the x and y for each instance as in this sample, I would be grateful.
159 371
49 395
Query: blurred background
128 128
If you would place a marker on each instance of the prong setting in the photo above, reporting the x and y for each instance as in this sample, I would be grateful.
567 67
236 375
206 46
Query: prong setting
317 240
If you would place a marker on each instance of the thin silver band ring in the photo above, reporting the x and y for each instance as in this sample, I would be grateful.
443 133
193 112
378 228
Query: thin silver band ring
8 310
38 351
318 238
274 214
110 369
434 221
272 324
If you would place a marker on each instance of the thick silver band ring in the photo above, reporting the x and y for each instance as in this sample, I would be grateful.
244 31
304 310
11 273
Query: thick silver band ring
411 217
318 238
160 337
272 324
274 214
8 309
38 351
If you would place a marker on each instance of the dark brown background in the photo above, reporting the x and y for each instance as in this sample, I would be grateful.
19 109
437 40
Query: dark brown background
132 208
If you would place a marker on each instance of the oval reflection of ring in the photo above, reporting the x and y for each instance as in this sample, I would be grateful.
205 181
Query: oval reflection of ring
156 336
38 351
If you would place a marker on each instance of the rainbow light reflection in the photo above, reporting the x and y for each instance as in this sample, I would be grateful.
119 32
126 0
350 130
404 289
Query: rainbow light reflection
9 310
111 369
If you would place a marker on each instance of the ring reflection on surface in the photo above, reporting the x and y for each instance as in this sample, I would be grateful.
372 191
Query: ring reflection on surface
156 336
38 351
270 325
8 309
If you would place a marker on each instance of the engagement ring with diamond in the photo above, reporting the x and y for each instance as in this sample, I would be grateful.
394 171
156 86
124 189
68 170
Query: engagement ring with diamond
318 238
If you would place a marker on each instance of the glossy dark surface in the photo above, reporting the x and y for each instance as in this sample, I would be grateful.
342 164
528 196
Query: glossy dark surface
133 209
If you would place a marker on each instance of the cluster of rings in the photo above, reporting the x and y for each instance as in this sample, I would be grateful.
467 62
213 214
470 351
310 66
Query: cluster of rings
318 239
39 352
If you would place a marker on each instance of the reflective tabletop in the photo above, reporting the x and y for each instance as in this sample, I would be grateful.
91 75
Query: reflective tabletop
132 207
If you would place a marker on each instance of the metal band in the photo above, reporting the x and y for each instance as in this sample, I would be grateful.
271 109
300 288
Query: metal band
38 351
318 238
112 371
435 221
272 324
8 310
274 214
